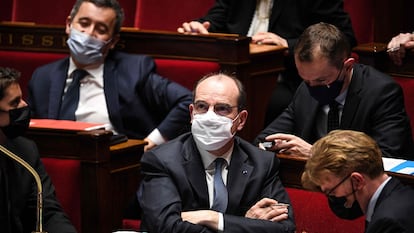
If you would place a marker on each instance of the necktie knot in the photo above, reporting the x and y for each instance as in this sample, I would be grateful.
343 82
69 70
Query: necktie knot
71 98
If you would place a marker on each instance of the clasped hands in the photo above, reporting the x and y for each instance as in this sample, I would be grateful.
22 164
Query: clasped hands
265 209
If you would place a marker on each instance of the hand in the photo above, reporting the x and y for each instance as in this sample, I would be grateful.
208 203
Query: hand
208 218
396 48
288 143
269 38
266 209
150 145
194 27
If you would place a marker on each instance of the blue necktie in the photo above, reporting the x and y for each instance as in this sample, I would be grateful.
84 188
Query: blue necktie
71 98
220 190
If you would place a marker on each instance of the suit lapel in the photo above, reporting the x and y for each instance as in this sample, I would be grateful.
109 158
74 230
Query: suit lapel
238 177
111 93
277 8
352 101
195 172
309 126
57 86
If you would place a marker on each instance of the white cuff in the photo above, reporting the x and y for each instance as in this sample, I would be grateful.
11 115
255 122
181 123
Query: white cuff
220 227
156 137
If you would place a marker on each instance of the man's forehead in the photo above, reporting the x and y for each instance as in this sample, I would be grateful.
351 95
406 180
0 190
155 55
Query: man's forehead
317 69
219 89
88 10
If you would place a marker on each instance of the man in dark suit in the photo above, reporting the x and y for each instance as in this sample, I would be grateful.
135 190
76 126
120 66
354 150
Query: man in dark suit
178 192
120 90
18 191
273 22
347 166
364 99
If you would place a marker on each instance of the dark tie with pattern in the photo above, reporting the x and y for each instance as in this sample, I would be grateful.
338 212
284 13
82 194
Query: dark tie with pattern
220 190
333 116
71 99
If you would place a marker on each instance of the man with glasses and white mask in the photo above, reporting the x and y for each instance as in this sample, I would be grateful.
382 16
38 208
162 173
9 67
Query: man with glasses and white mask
337 93
210 180
347 166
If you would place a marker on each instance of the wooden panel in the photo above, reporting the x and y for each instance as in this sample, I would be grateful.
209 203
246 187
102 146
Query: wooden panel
109 174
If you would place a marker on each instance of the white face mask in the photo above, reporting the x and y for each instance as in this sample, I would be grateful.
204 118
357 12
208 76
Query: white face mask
85 49
211 131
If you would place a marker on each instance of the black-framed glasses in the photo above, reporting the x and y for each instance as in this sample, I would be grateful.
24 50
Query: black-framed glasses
336 186
220 109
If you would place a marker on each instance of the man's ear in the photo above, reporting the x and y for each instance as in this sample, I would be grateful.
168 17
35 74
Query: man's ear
114 41
242 119
68 23
191 108
358 180
349 63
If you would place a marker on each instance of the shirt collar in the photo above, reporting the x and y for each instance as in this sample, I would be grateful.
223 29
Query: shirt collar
94 71
209 158
374 199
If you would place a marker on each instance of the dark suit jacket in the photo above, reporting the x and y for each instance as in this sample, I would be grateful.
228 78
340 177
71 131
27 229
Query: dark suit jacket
374 105
138 99
175 181
19 193
393 211
289 18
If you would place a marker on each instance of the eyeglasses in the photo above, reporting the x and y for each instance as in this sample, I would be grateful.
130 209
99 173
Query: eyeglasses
220 109
336 186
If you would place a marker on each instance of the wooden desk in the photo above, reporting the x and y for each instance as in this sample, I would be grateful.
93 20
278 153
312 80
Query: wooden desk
109 174
257 66
292 167
375 54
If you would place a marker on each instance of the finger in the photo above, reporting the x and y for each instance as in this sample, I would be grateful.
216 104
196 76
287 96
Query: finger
279 136
274 211
187 27
280 218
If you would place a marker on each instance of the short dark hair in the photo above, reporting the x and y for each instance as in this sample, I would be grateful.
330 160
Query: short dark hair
8 76
113 4
241 101
332 44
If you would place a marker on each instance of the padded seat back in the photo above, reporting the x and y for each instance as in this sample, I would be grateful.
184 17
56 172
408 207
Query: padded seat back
362 17
169 14
313 215
407 85
65 175
26 63
185 72
52 12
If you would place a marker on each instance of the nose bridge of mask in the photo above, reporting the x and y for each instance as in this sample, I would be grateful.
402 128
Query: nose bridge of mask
212 122
88 40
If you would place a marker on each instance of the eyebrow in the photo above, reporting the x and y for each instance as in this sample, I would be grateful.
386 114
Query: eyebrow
15 102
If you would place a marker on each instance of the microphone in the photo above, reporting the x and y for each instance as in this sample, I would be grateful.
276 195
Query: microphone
39 219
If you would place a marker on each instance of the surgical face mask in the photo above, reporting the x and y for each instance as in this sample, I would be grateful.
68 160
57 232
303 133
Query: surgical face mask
85 49
327 93
211 131
19 122
338 206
